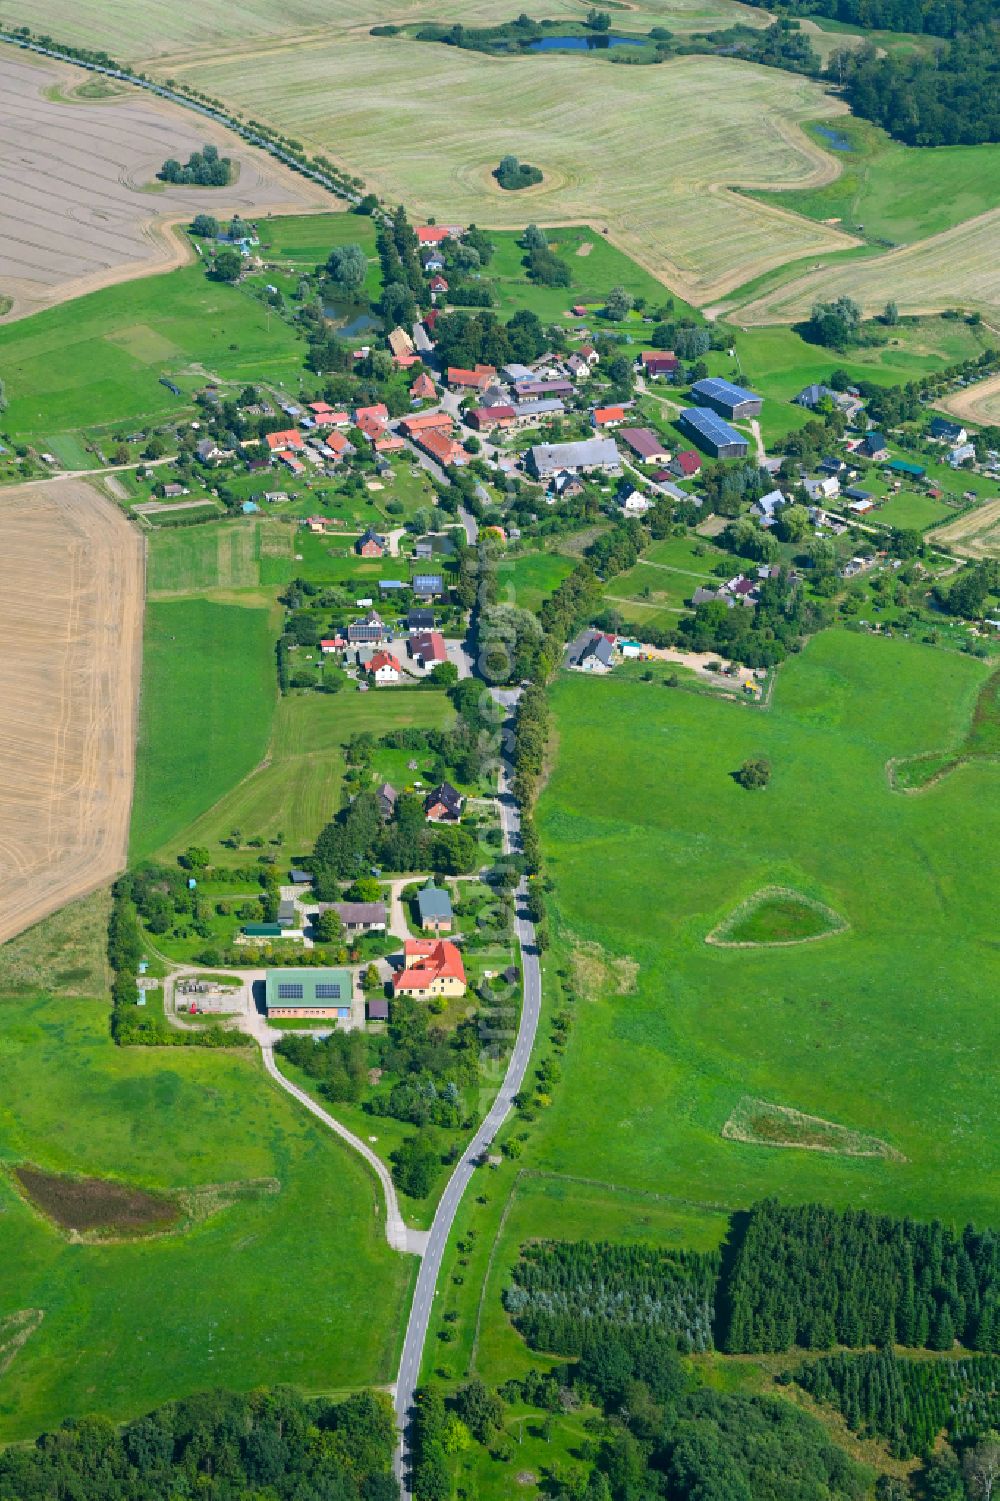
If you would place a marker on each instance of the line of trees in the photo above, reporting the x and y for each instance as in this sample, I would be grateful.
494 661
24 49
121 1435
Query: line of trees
910 1403
217 1445
813 1276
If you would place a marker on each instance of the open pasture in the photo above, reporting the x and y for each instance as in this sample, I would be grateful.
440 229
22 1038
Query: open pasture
649 165
886 1029
130 1323
231 555
957 268
99 359
106 221
70 615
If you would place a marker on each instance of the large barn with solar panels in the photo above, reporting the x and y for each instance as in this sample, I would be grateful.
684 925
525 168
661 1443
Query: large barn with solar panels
712 434
734 402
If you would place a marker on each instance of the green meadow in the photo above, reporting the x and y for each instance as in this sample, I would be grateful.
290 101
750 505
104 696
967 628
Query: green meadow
99 359
893 192
885 1028
209 690
528 578
289 1279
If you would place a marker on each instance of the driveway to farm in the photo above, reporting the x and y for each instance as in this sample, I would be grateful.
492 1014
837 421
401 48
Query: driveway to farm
444 1218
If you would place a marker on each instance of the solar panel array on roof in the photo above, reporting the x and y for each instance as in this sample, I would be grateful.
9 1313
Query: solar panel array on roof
326 992
715 386
711 426
290 992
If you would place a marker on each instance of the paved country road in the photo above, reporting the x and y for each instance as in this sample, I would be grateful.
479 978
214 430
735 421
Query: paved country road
437 1240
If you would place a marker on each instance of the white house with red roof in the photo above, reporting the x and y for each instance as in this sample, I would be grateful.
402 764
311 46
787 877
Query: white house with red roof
431 967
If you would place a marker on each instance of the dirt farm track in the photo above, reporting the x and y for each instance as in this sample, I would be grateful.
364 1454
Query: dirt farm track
71 623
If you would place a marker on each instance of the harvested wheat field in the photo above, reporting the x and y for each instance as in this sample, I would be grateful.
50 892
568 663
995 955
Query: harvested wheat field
649 162
958 268
70 618
974 535
978 403
78 183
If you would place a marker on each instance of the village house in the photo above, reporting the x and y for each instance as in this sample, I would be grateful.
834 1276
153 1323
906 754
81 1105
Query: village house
444 450
482 419
332 644
369 631
384 669
423 388
811 397
438 285
873 446
766 509
284 442
427 585
386 797
400 342
443 805
433 234
370 545
361 917
608 416
633 502
434 906
824 487
427 648
432 259
476 379
943 431
685 464
431 967
591 651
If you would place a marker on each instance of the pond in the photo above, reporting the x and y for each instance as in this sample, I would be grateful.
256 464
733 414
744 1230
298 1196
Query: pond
834 139
352 319
583 43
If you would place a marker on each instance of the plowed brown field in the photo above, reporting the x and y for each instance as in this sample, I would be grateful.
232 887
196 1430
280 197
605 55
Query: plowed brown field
71 626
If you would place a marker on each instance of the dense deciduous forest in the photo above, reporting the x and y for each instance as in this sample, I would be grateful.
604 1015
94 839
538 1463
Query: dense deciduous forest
812 1276
569 1295
908 1402
943 18
952 98
269 1446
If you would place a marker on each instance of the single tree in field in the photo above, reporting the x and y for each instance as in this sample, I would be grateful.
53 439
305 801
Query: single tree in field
755 772
534 239
205 225
618 305
890 316
348 266
227 266
195 857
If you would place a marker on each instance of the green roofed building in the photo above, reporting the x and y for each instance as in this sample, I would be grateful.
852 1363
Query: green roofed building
903 466
308 993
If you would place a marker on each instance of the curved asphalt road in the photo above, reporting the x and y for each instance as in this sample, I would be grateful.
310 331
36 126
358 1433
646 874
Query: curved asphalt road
430 1266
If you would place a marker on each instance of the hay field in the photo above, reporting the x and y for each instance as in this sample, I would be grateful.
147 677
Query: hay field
975 535
70 615
159 33
642 152
78 182
958 268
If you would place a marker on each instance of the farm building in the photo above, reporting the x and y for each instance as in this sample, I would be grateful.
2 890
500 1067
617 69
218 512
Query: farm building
547 459
434 906
715 436
476 379
532 388
308 993
531 411
911 471
487 417
378 1009
734 402
432 966
649 446
656 362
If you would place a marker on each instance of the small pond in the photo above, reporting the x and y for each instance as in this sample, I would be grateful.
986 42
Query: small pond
595 43
351 320
834 139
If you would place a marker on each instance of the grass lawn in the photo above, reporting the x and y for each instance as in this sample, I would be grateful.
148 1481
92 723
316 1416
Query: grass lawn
886 1028
298 789
293 1284
99 359
908 509
209 690
894 191
529 578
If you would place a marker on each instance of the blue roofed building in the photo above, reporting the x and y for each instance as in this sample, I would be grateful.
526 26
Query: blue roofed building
734 402
712 434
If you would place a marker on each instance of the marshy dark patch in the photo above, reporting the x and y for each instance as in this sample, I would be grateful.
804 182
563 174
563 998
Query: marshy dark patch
97 1205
